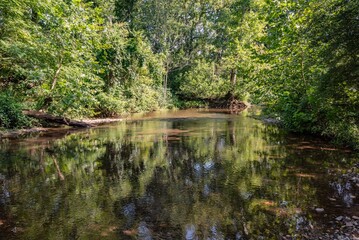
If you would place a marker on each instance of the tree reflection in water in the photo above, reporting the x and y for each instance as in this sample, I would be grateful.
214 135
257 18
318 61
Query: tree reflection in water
212 176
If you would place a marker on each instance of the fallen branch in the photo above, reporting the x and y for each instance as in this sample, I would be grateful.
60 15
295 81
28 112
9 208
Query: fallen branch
56 119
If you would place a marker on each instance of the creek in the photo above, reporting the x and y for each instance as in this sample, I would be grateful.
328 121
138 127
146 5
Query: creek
189 174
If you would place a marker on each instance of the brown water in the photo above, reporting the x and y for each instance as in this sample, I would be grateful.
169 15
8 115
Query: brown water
175 175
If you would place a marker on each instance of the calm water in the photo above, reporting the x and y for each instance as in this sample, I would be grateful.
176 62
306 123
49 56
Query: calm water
181 175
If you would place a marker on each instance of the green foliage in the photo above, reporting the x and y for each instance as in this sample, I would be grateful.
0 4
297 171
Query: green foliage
70 57
202 82
81 58
136 102
132 73
191 104
313 53
11 115
110 104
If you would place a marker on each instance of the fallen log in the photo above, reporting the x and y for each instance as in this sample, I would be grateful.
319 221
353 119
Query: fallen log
56 119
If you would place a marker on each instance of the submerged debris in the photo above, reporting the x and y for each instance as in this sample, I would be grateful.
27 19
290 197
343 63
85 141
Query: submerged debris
345 188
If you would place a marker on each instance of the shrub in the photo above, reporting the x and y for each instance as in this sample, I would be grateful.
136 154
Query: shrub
145 98
110 105
11 115
201 82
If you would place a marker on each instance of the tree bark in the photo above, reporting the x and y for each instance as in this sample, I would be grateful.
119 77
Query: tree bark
58 120
165 82
58 170
54 80
233 77
233 81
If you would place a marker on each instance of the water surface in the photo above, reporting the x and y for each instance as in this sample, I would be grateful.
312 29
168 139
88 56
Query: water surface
190 174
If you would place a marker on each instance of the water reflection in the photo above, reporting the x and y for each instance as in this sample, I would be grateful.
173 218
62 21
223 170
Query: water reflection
185 175
143 232
190 232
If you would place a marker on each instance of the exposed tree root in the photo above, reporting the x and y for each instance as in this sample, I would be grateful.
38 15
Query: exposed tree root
235 106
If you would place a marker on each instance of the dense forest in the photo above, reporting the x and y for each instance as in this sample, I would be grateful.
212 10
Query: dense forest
100 58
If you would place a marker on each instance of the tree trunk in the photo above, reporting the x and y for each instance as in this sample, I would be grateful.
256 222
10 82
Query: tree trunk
58 120
165 84
232 136
54 80
58 170
165 80
233 82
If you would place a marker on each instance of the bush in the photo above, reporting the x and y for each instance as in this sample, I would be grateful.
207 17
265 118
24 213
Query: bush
201 82
184 104
145 98
110 105
343 132
11 115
